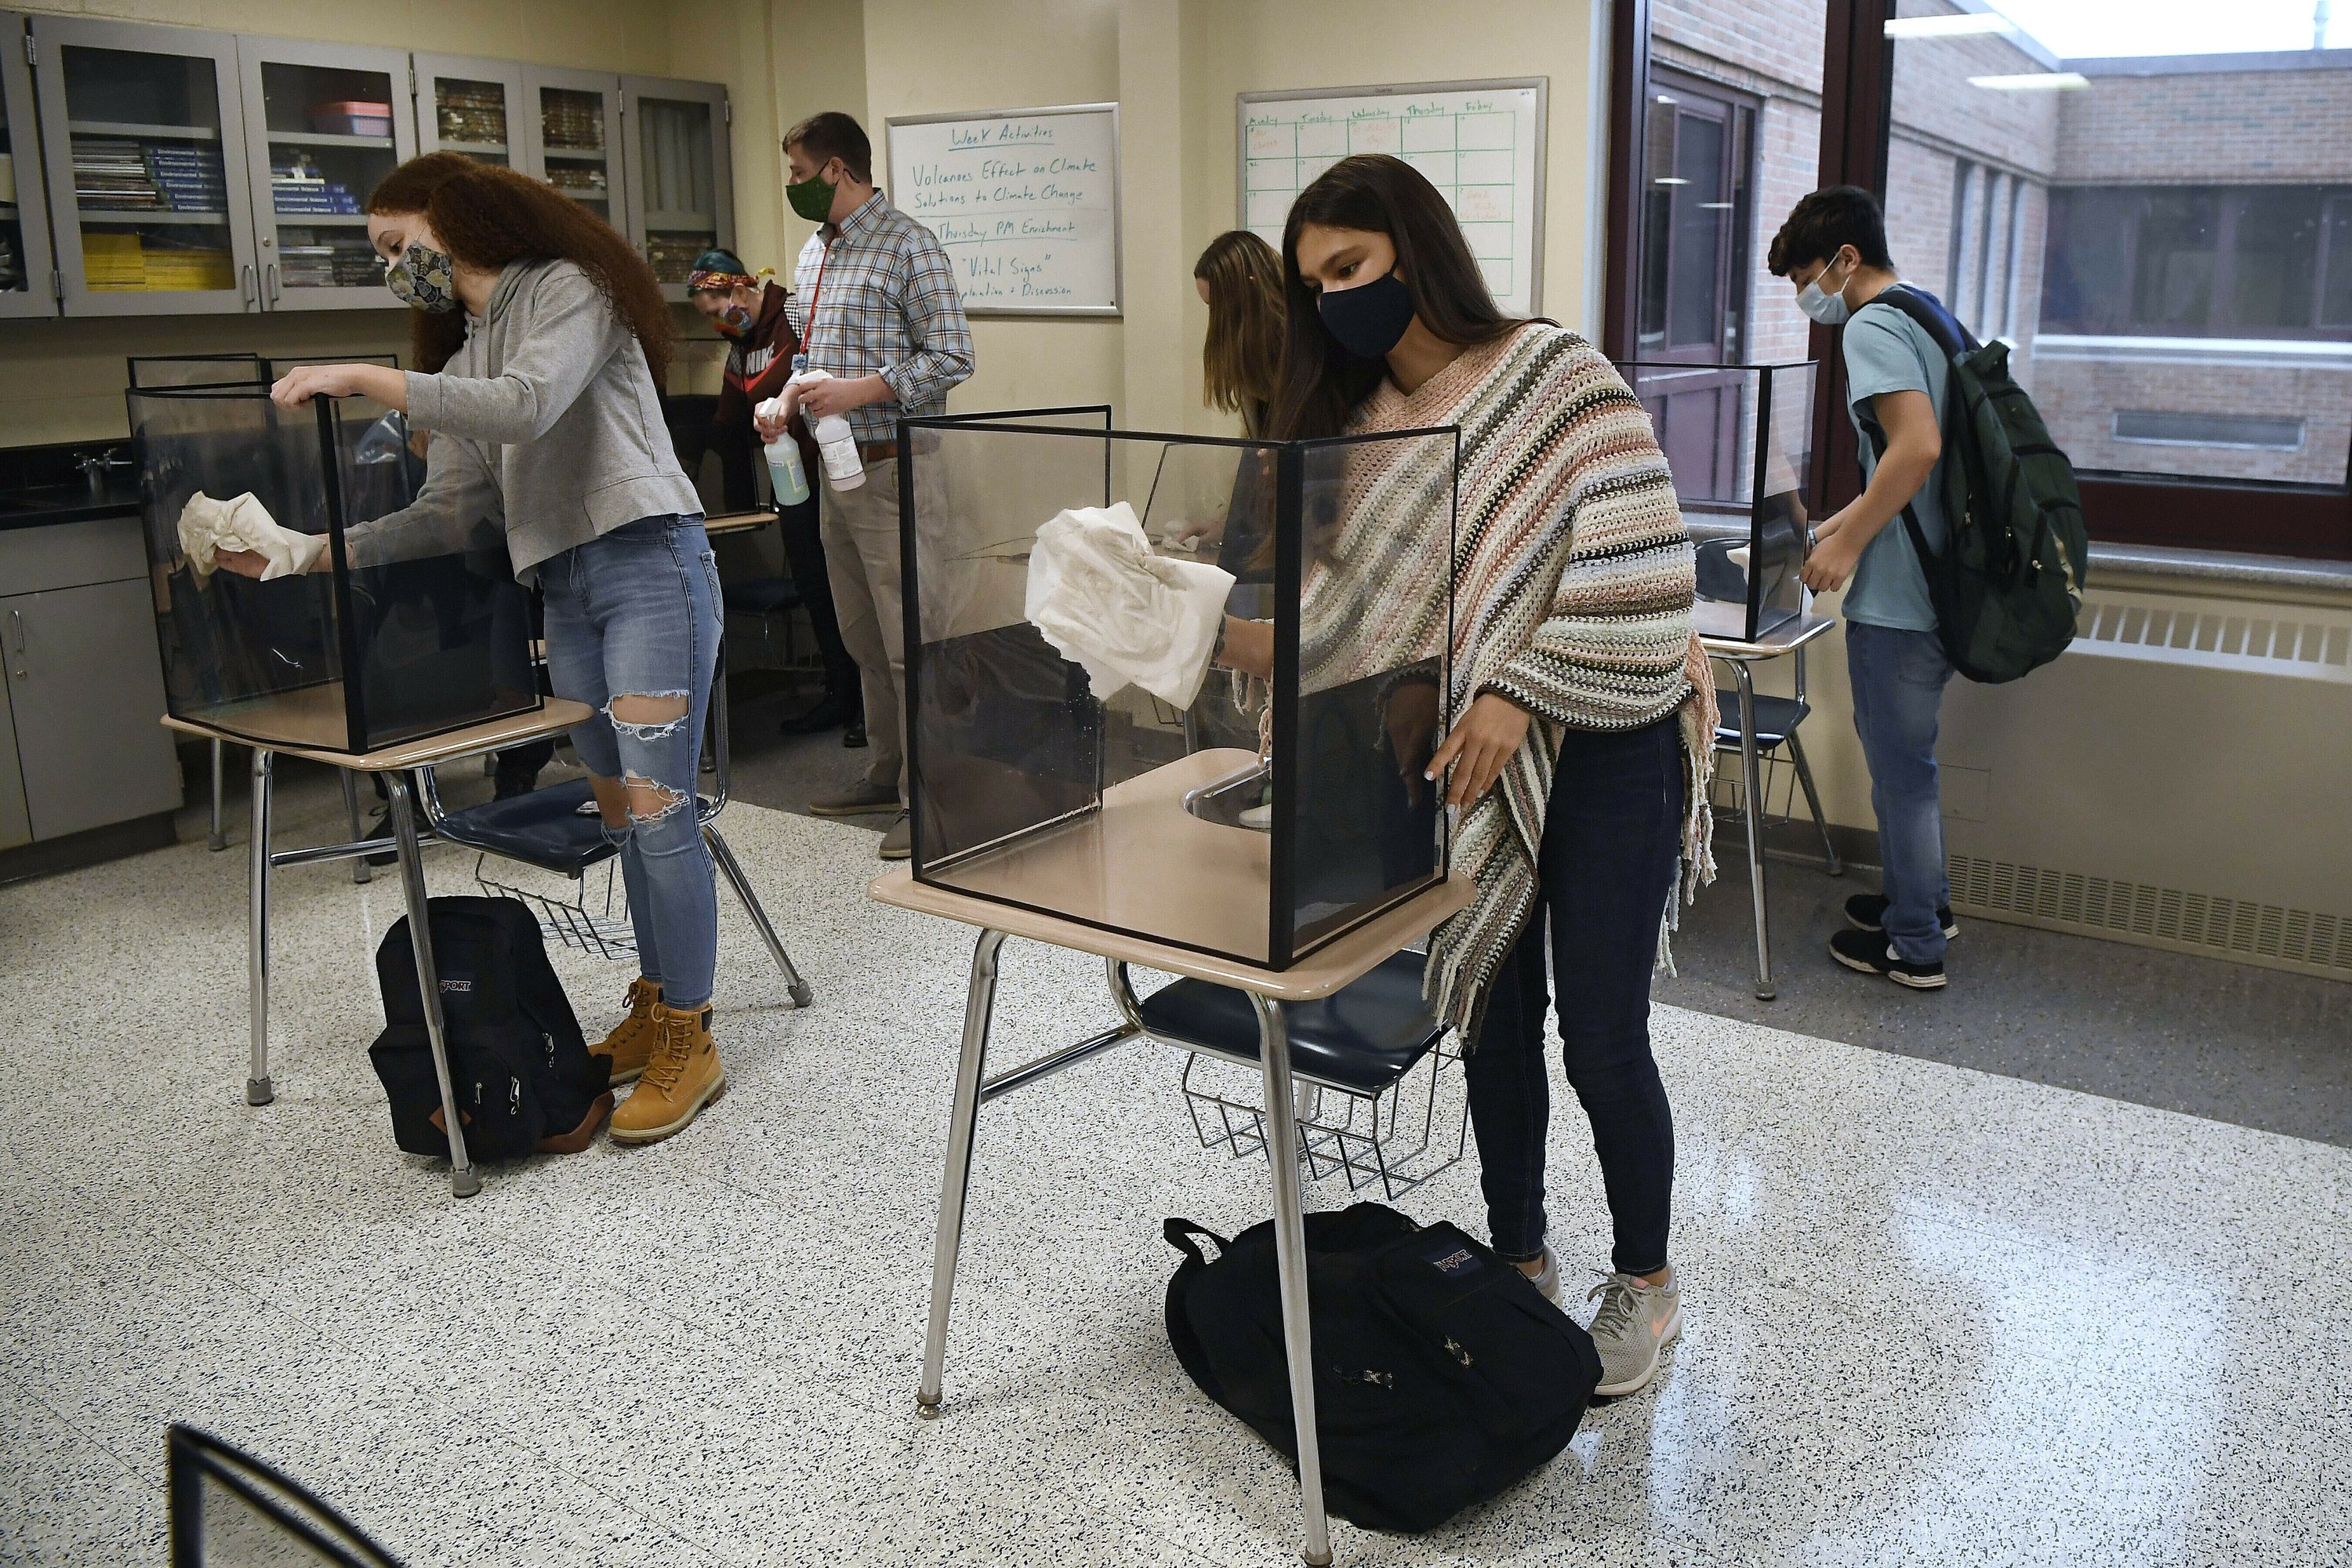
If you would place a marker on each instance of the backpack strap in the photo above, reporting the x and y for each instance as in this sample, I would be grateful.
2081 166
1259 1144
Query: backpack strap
1933 318
1954 339
1180 1231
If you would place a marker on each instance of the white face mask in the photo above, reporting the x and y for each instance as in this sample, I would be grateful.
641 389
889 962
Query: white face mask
1829 308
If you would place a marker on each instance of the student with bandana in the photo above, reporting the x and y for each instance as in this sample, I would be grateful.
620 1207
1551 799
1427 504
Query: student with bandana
748 310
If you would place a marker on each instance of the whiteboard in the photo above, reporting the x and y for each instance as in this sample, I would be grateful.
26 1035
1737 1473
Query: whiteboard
1481 143
1025 201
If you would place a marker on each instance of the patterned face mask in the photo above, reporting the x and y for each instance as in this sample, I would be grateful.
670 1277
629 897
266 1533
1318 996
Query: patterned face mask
423 278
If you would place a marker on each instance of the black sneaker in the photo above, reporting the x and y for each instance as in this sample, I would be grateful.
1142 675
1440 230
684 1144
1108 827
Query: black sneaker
853 734
1867 912
1871 954
831 712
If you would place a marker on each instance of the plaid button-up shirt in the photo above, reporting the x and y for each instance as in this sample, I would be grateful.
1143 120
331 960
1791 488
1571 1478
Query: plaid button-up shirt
887 306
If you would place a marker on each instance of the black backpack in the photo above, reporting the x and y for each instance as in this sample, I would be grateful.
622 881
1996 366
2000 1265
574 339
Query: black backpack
523 1079
1441 1375
2008 587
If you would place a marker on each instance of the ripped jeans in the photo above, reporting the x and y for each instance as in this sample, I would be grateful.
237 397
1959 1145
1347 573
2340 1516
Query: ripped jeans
634 615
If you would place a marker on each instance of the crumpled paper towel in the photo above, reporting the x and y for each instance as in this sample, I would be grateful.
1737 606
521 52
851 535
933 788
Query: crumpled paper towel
1103 599
207 525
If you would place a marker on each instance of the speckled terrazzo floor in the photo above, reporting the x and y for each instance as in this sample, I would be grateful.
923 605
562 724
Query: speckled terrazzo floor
1933 1315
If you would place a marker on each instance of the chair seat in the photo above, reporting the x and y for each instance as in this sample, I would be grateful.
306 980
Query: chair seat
1362 1038
1777 719
761 596
544 828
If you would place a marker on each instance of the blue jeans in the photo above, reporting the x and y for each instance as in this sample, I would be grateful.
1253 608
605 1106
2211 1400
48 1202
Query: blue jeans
635 614
1899 687
1612 843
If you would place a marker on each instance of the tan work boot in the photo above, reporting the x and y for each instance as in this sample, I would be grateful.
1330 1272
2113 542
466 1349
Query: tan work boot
631 1044
683 1077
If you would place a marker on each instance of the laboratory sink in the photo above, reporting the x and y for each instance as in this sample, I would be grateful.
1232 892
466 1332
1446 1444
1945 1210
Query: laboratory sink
1237 800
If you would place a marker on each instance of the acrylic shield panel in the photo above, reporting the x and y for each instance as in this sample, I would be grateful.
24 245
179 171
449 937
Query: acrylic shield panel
1739 441
429 632
1259 819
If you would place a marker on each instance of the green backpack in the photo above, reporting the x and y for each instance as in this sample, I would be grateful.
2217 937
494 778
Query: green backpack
2009 586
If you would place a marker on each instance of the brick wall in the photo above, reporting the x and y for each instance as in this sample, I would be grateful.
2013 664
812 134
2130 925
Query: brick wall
1933 102
1773 40
2271 127
2079 397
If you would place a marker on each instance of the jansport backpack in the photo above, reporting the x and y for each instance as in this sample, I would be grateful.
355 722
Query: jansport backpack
1441 1375
2009 586
523 1079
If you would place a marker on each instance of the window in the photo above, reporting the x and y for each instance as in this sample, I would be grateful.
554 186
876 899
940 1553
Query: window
2153 206
2201 261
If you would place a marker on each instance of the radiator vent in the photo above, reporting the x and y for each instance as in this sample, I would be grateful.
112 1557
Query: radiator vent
2218 634
2103 906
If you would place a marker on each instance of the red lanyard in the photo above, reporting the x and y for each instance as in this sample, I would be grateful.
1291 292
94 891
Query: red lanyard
815 290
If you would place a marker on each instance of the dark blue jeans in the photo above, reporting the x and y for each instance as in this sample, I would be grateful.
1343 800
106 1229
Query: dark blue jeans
1898 693
1611 844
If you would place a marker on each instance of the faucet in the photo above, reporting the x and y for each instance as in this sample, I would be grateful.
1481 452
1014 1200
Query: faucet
94 466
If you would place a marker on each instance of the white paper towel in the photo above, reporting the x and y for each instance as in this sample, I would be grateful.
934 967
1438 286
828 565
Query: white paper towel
1103 599
207 525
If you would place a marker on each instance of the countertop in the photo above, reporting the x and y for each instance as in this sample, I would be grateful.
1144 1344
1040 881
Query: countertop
45 485
37 506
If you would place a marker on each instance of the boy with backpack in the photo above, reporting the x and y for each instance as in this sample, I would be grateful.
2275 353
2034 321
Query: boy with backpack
1833 250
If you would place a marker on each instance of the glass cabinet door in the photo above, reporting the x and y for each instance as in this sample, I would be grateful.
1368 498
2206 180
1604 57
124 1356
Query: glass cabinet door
680 179
572 126
323 123
24 213
143 138
470 106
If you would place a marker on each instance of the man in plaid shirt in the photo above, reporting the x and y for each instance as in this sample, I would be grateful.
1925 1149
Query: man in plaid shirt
876 306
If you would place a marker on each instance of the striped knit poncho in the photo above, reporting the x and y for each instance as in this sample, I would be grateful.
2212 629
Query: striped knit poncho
1573 578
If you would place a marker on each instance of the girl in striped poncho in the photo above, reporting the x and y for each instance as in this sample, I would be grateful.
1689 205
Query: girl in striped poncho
1580 713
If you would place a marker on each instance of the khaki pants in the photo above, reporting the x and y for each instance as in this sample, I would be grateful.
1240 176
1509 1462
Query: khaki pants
860 528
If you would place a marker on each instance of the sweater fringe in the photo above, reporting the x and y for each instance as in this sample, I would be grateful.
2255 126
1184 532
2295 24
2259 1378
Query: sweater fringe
1699 715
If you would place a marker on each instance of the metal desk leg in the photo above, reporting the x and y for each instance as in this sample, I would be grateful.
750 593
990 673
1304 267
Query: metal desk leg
979 1003
795 986
1835 866
1751 791
1290 1263
464 1182
257 1091
360 870
217 840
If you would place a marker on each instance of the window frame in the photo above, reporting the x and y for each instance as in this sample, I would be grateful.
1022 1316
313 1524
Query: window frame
2308 521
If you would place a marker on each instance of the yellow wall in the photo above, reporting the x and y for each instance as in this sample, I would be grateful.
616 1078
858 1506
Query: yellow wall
63 379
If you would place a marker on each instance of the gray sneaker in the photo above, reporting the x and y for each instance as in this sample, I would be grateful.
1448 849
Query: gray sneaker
1549 1280
1635 1323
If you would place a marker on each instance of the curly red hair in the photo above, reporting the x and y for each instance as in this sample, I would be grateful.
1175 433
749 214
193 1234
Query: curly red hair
487 216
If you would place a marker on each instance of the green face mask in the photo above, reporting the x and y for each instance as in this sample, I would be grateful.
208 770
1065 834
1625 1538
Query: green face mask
812 198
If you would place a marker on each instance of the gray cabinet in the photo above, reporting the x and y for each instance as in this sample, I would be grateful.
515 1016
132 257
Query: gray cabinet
25 256
170 171
85 684
677 175
469 106
324 122
572 136
142 131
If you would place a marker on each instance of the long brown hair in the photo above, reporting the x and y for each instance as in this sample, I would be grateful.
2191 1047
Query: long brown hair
489 216
1321 383
1243 352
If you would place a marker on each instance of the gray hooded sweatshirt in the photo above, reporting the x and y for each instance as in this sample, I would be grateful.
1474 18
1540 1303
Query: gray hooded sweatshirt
545 427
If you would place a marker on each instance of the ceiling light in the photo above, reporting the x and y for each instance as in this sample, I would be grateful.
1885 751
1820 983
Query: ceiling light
1664 98
2035 81
1717 207
1669 180
1964 26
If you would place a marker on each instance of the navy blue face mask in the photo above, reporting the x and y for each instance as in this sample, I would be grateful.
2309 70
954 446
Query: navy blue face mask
1370 319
